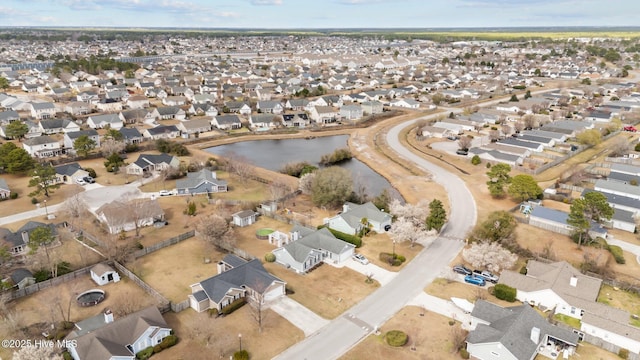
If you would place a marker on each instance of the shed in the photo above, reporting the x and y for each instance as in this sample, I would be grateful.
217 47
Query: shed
244 218
103 274
22 278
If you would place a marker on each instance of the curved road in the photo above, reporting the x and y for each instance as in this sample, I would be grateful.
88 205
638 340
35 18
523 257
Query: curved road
367 316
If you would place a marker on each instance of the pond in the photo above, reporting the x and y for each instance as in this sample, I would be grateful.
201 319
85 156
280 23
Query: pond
274 154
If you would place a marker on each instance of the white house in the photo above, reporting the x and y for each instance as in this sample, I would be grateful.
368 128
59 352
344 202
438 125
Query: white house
121 216
42 146
112 121
43 110
71 137
350 220
103 274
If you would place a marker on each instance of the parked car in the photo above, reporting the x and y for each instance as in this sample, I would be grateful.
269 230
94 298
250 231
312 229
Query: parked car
486 275
471 279
360 258
453 137
165 192
462 152
88 179
80 181
461 269
630 128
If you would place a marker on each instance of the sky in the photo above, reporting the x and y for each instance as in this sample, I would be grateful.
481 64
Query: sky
309 14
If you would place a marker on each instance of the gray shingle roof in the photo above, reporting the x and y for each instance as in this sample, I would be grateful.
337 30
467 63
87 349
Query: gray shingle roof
611 186
356 213
163 129
145 160
68 169
194 179
321 239
512 327
618 199
250 274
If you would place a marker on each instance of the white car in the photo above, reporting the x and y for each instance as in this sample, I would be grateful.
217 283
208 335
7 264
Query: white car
360 258
165 192
80 181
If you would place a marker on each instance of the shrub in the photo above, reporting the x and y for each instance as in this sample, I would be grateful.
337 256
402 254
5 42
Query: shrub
63 267
34 200
523 270
129 148
14 195
637 148
464 353
288 290
241 355
169 341
504 292
269 257
41 275
157 349
617 253
91 172
233 306
351 239
396 338
391 260
475 160
623 353
488 165
145 354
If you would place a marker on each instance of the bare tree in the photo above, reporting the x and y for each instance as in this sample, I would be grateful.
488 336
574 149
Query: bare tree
518 126
619 147
465 142
125 304
238 165
458 337
258 307
216 230
529 121
305 184
111 146
490 255
494 135
138 211
37 353
75 208
278 189
506 129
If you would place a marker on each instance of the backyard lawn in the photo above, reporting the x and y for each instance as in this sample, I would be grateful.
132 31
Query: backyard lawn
621 299
446 289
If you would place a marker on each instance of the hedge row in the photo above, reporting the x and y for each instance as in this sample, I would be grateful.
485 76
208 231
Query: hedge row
617 253
167 342
233 306
504 292
351 239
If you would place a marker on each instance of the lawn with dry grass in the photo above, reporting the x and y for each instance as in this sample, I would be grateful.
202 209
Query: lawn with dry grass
620 299
328 291
20 185
374 244
203 337
430 338
446 289
173 269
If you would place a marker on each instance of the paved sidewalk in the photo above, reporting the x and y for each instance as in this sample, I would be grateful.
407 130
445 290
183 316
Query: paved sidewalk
303 318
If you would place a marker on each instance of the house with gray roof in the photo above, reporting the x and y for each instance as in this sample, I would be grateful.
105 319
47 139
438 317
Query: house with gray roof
515 333
131 135
22 278
161 132
43 110
102 338
556 221
18 242
226 122
112 121
625 169
42 146
5 192
619 201
237 279
71 137
8 116
152 162
200 182
309 248
194 126
617 188
56 126
69 173
349 221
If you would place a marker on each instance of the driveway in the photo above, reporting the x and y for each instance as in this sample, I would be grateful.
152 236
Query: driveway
303 318
379 274
443 307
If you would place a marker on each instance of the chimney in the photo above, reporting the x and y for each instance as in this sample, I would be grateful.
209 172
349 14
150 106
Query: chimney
220 267
573 281
295 235
535 335
25 237
345 208
108 316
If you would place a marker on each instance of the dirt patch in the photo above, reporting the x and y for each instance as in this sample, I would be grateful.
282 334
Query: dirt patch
326 290
203 337
430 338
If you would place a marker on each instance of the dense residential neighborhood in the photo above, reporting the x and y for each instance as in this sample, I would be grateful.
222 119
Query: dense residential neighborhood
502 223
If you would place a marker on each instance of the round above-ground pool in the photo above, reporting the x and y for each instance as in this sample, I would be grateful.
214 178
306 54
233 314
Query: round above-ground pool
263 234
90 297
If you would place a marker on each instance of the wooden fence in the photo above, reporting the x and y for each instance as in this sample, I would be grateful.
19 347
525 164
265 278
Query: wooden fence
31 289
177 307
174 240
601 343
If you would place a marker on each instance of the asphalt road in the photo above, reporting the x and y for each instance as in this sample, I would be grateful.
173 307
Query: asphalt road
366 317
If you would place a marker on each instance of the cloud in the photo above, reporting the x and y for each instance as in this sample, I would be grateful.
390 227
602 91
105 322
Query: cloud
266 2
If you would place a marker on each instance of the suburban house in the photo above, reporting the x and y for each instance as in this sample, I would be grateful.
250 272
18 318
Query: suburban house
108 105
244 218
137 102
71 137
76 108
22 278
237 279
556 221
296 120
101 338
43 110
200 182
238 107
121 216
131 135
56 126
5 192
194 126
134 116
515 333
308 248
226 122
18 242
148 163
264 121
270 107
567 291
617 188
371 107
323 114
161 132
103 274
171 112
42 146
112 121
352 218
8 116
351 112
69 173
406 103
